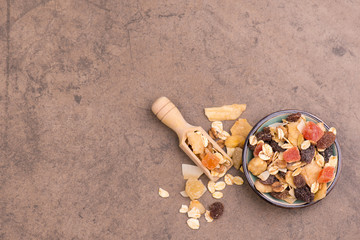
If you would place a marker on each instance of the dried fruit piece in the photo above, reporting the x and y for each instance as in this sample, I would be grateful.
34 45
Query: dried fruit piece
235 141
327 153
216 210
326 174
193 223
293 117
211 186
191 171
258 148
290 179
208 217
304 194
226 112
293 133
220 185
326 140
257 166
238 180
237 157
228 179
217 195
198 205
292 155
299 181
280 195
278 187
184 209
275 146
196 142
241 127
264 135
210 161
311 172
308 154
312 132
194 188
262 187
321 193
163 193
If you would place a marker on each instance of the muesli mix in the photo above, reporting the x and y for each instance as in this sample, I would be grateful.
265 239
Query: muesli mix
293 159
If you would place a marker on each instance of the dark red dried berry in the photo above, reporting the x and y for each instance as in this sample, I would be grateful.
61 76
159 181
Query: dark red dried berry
308 154
270 180
326 140
275 146
293 117
299 181
216 210
304 194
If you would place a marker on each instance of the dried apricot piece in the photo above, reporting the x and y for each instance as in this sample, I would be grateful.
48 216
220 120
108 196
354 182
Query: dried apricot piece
292 155
210 161
312 132
326 174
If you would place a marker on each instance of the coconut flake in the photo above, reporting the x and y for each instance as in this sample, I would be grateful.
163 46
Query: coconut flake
191 171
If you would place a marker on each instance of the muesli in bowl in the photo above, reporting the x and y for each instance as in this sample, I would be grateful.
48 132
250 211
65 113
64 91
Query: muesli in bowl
291 159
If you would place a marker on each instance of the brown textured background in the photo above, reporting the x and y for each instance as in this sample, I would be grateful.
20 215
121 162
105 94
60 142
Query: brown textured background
81 154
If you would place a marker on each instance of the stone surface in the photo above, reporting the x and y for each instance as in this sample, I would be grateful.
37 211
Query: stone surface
81 154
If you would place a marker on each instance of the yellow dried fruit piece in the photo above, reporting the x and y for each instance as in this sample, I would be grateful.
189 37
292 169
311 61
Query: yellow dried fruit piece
235 141
196 142
311 172
198 205
293 133
194 188
262 187
226 112
257 166
237 157
241 127
289 178
300 140
321 193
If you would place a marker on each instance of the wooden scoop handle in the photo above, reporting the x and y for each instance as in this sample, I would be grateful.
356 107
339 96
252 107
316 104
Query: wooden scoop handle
168 114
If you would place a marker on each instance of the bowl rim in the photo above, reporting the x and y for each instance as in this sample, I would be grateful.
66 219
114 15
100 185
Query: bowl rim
246 151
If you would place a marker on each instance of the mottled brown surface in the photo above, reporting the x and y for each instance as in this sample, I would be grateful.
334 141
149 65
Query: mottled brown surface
81 154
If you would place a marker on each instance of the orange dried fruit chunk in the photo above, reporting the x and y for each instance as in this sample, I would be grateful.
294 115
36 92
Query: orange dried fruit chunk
258 148
312 132
194 188
326 174
210 161
292 155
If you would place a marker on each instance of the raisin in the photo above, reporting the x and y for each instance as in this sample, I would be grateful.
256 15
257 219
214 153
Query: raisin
216 210
251 147
326 140
281 174
304 194
270 180
275 146
293 117
280 195
299 181
266 130
308 154
327 153
264 135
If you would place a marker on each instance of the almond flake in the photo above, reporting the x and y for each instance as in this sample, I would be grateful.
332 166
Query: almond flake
305 145
220 186
263 156
211 186
193 223
163 193
208 217
315 187
228 179
217 195
319 159
280 133
238 180
287 146
184 209
194 213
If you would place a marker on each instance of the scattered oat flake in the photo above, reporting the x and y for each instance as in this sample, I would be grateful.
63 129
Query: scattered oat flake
220 186
238 180
184 194
229 179
208 217
193 223
163 193
184 209
194 213
305 145
211 186
217 195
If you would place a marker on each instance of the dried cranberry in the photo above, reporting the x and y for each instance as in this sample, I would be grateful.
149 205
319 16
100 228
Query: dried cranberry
293 117
275 146
270 180
326 140
216 210
299 181
304 194
308 154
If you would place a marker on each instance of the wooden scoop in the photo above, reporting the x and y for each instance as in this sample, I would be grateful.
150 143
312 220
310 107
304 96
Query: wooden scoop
168 113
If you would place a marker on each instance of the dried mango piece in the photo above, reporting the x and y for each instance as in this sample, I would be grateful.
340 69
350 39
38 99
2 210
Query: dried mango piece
293 133
226 112
194 188
237 157
241 127
321 193
235 141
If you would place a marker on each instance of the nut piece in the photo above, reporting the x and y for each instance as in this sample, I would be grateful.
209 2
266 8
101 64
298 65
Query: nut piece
208 217
194 213
217 195
211 186
223 135
229 179
193 223
264 175
305 145
184 209
220 186
238 180
163 193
